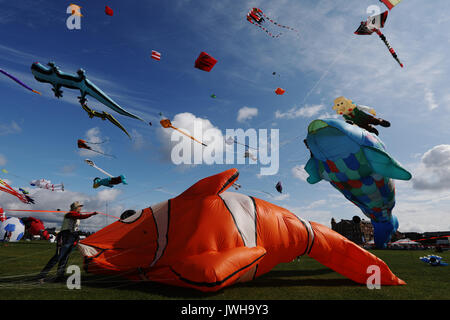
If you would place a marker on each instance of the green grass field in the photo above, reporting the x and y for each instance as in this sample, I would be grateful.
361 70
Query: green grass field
299 280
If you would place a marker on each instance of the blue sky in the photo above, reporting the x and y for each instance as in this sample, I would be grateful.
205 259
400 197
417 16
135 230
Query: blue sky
322 61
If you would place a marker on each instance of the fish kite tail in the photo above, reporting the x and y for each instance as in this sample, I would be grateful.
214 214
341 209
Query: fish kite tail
383 231
347 258
36 91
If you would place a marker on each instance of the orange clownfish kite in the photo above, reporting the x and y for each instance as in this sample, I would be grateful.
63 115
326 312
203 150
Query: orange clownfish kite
208 239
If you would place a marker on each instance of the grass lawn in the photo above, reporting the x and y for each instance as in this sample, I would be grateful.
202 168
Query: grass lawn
299 280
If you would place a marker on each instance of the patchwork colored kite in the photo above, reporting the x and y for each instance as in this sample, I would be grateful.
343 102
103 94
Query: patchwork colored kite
18 81
374 24
231 238
59 79
165 123
205 62
256 17
356 163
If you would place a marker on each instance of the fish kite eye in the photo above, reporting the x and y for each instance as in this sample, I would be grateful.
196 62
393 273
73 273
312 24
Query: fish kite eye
130 216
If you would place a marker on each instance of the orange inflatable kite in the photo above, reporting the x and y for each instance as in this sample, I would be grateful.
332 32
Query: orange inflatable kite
208 239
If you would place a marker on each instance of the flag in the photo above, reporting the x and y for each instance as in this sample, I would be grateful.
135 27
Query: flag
156 55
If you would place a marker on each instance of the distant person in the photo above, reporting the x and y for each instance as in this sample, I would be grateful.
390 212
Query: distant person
65 241
7 238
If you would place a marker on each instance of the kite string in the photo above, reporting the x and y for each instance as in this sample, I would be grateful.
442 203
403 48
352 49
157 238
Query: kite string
56 211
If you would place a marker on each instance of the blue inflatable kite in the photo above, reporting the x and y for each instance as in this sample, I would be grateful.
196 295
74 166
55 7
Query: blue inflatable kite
58 79
356 163
434 260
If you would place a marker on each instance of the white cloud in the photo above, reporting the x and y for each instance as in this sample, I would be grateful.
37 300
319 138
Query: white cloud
433 173
199 128
300 112
2 160
92 136
138 140
429 98
11 128
299 172
246 113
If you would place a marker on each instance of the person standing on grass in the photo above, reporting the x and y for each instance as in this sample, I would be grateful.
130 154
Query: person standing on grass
65 241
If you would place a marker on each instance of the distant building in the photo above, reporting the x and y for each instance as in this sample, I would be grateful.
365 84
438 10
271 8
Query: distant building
356 230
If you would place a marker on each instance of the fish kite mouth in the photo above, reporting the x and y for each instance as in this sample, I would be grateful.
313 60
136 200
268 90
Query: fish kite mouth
317 125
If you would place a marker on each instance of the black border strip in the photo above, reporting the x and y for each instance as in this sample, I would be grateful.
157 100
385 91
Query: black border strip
230 180
157 236
217 283
256 220
307 230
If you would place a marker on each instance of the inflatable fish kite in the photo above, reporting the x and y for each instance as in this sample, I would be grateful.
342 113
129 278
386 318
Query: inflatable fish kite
208 239
356 163
434 260
109 182
59 79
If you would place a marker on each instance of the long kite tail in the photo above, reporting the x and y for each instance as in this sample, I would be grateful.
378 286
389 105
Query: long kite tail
18 81
277 24
188 135
391 50
105 154
267 31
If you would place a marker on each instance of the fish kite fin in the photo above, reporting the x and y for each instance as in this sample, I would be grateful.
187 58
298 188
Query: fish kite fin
384 164
212 270
313 171
213 185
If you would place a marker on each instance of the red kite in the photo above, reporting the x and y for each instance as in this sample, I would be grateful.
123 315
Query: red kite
205 62
280 91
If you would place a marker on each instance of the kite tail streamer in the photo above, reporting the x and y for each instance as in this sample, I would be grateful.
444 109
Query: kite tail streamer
188 135
56 211
18 81
267 31
277 24
391 50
